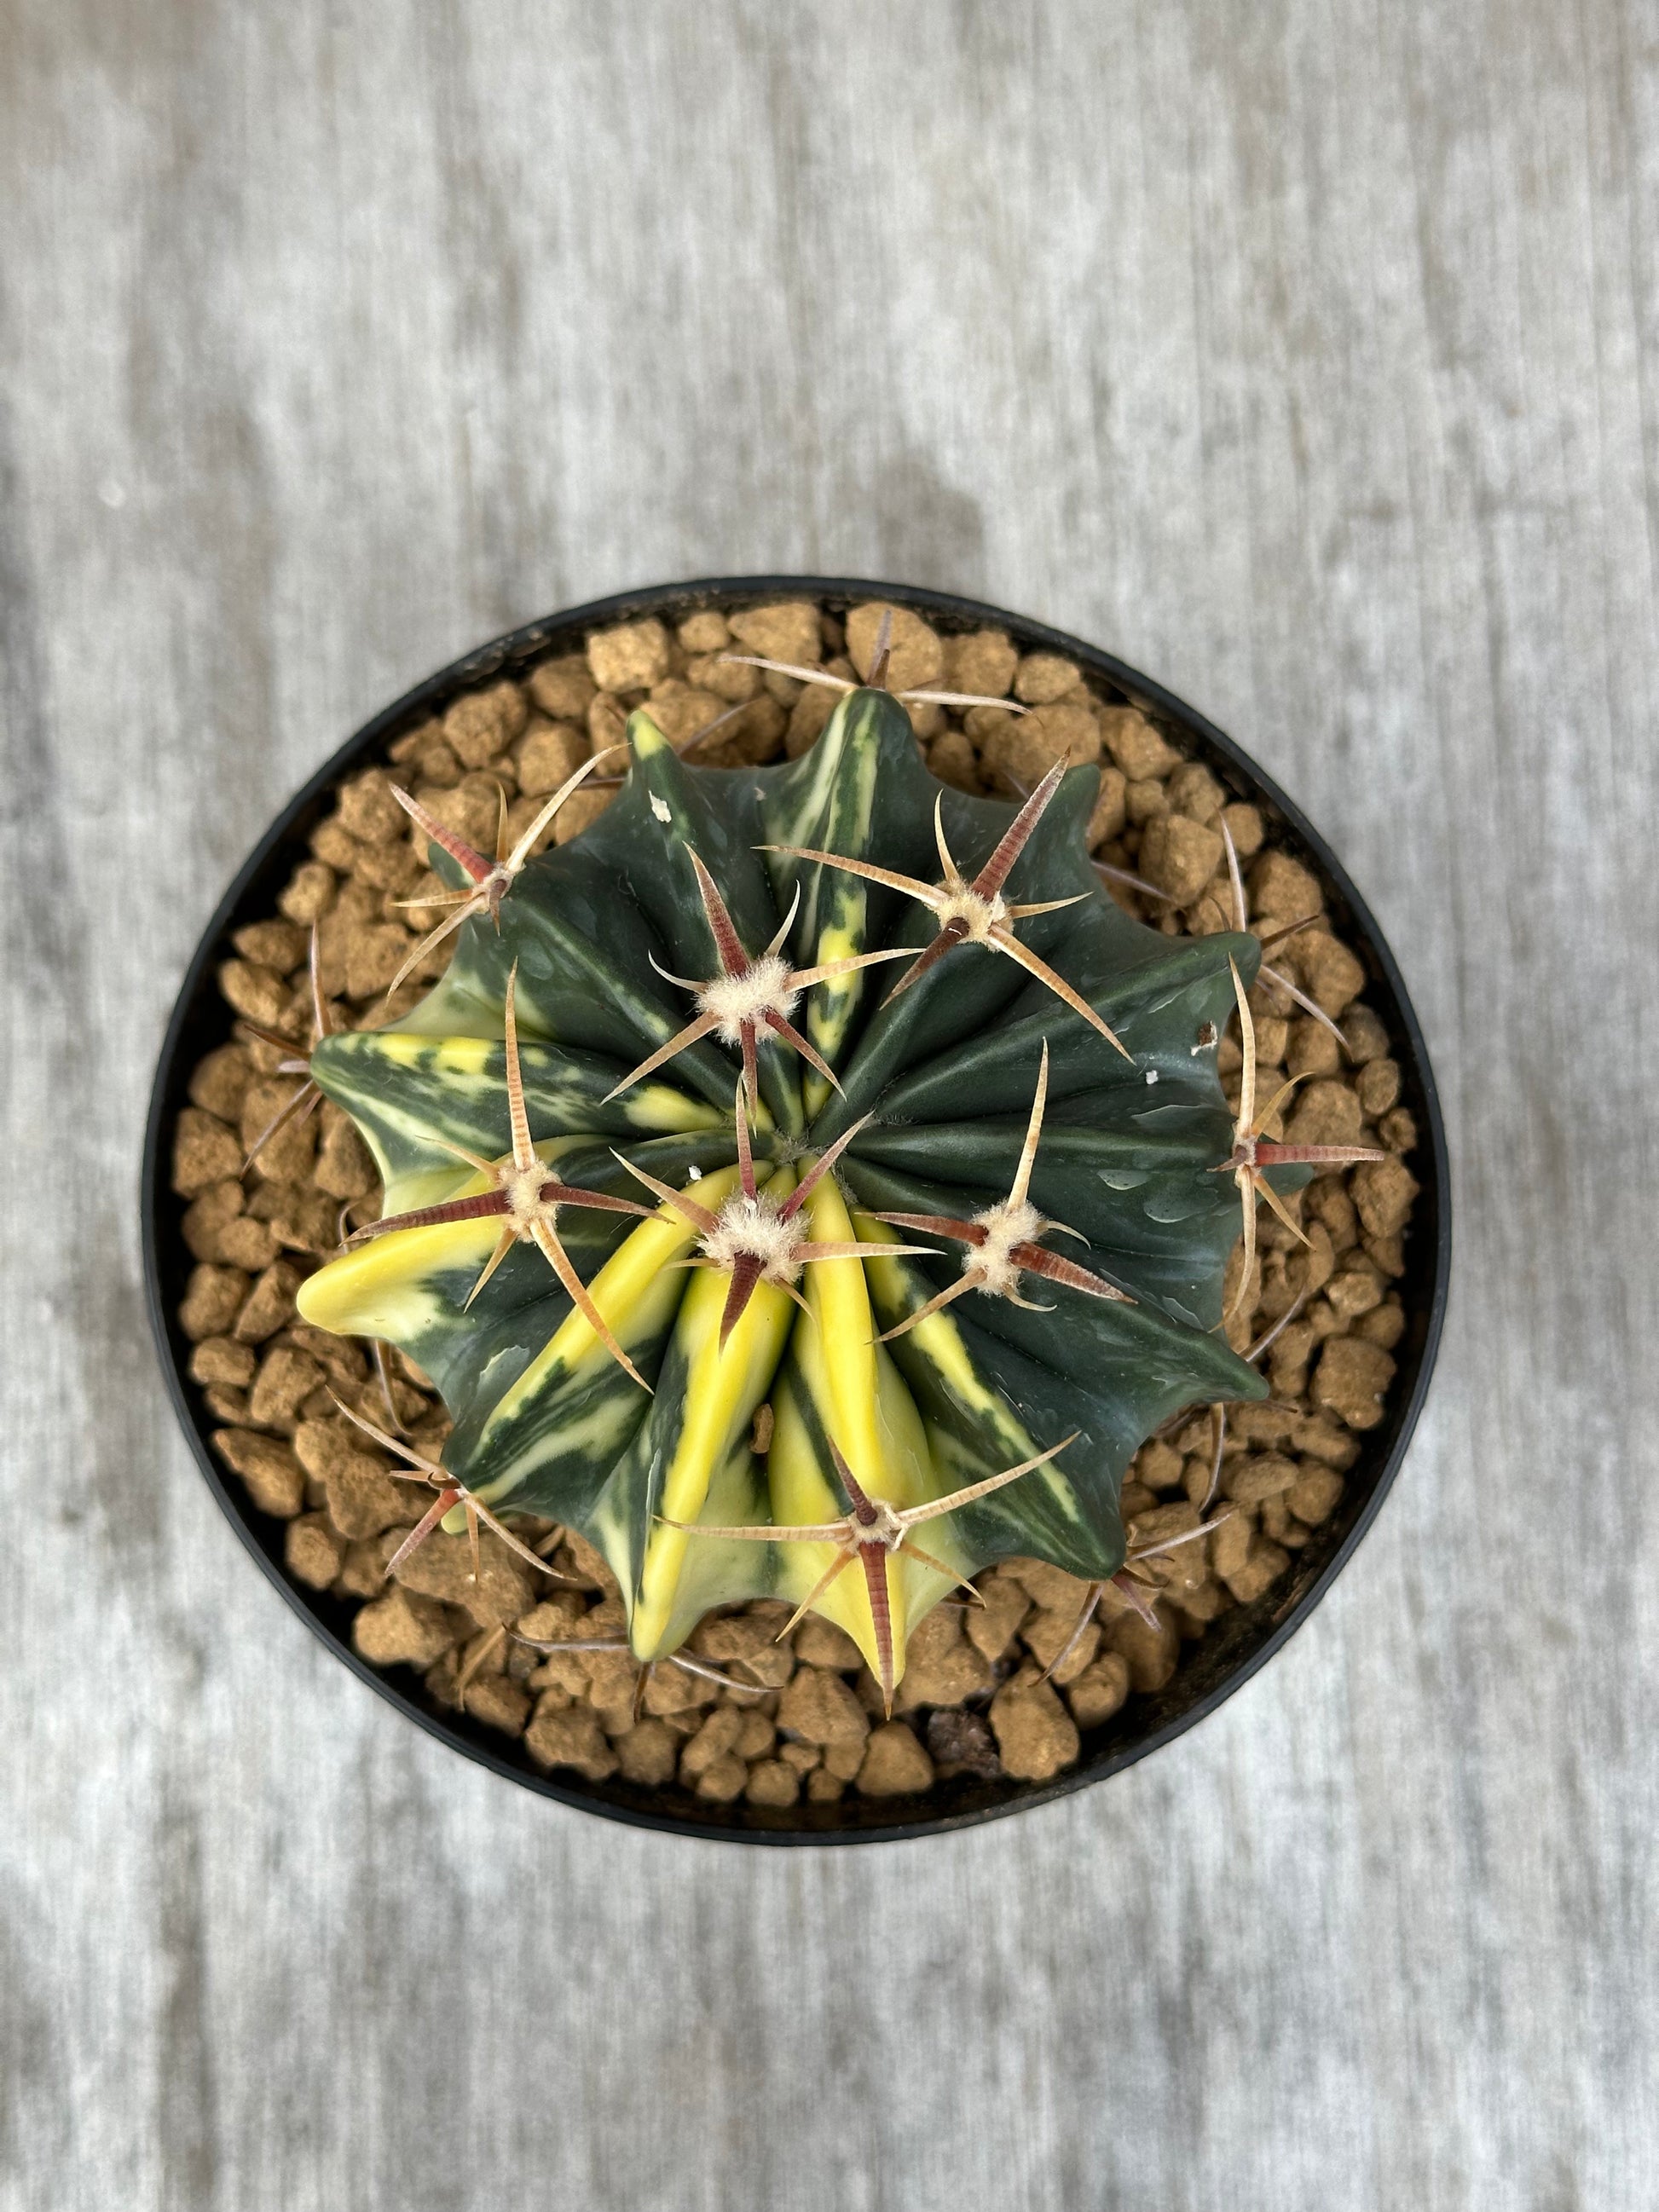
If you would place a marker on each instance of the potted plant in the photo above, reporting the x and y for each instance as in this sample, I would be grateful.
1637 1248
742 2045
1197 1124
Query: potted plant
714 1217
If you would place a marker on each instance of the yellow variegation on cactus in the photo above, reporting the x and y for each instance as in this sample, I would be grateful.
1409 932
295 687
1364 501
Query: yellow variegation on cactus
807 1183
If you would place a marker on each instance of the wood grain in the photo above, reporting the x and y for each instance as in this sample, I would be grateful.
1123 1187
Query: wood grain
1302 353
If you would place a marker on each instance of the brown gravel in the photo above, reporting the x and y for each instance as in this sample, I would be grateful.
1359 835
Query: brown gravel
1002 1688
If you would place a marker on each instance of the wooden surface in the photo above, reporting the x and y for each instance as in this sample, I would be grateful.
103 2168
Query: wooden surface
1301 352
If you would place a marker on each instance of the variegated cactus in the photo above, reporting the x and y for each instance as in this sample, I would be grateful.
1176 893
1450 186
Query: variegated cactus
807 1183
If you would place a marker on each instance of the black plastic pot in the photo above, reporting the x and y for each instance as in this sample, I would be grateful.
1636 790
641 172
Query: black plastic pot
1240 1642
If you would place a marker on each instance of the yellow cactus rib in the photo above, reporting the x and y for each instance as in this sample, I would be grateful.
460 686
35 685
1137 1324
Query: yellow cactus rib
861 1403
384 1288
830 1008
938 1341
872 1533
724 1384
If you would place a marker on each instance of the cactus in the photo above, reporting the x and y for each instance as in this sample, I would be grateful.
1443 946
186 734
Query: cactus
765 1287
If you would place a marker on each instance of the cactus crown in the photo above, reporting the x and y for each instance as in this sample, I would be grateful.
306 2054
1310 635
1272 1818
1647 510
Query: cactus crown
757 1115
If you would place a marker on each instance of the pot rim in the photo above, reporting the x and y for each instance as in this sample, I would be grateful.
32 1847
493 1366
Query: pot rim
1260 1634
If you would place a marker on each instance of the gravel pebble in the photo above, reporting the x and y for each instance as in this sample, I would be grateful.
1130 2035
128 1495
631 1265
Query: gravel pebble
1036 1737
818 1706
1022 751
564 688
569 1736
275 1479
918 655
481 724
630 658
786 631
401 1630
895 1765
1099 1689
1180 856
1350 1380
1135 745
981 663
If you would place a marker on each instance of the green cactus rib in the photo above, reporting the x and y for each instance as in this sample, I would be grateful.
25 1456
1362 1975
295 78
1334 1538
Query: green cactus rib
933 1111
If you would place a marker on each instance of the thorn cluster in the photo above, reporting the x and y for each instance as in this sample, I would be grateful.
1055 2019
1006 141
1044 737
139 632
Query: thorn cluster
307 1099
748 993
452 1491
1253 1153
490 881
877 680
527 1200
756 1238
1273 976
1132 1583
870 1533
975 913
1004 1241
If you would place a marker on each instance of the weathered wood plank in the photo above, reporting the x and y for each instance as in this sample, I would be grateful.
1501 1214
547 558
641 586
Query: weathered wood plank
1305 355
